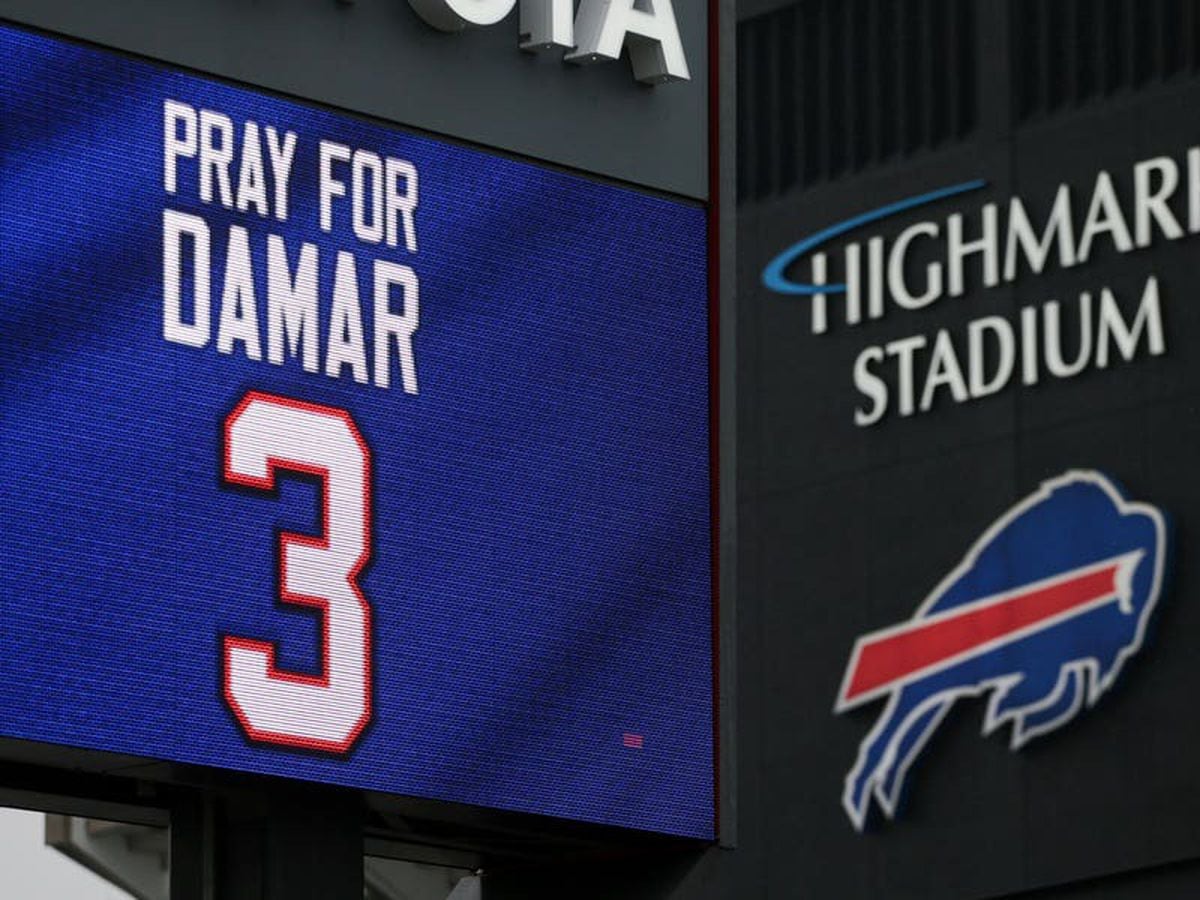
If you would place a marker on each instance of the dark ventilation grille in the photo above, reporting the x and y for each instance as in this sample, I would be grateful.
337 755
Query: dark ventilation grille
1066 52
830 87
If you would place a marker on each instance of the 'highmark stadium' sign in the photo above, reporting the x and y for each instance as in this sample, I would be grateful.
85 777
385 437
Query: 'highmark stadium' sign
877 275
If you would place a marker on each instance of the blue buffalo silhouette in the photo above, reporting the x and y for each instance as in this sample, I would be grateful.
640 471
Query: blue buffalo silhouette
1038 679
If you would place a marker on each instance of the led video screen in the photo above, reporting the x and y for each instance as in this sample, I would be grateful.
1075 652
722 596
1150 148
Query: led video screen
339 452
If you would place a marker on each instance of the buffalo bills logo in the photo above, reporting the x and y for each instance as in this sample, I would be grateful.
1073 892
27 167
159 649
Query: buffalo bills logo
1041 615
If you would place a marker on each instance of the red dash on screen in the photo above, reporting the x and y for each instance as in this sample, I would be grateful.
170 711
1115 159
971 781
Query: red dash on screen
632 741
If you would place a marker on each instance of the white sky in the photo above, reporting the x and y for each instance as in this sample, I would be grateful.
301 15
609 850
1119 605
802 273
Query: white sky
32 871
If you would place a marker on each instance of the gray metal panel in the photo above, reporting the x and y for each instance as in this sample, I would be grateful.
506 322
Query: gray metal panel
748 9
377 57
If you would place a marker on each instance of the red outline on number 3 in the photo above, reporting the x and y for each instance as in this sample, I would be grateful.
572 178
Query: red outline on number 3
289 537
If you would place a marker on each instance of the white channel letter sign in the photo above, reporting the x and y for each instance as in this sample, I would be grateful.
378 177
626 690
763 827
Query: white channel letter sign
596 34
998 243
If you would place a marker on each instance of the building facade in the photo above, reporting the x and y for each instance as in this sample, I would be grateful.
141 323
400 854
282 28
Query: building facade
898 601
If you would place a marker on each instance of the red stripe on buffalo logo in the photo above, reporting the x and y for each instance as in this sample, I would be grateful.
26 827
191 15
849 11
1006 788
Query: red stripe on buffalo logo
885 660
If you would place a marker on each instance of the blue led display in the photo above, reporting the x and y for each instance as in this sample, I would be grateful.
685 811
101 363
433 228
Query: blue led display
463 397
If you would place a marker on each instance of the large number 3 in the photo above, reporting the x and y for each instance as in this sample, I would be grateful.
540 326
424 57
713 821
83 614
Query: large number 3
325 712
